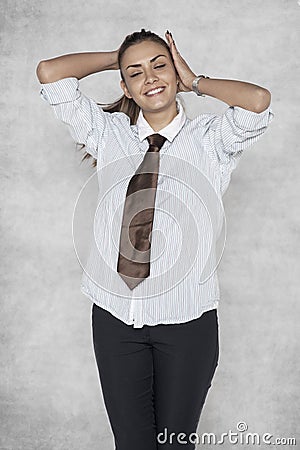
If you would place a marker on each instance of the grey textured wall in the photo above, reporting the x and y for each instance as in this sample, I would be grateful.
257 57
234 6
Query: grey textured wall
50 395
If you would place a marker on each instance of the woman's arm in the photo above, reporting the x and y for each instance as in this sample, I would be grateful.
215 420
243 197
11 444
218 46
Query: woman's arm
235 93
77 65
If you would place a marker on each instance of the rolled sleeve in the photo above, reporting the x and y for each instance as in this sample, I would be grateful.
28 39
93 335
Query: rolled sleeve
85 119
61 91
239 128
226 136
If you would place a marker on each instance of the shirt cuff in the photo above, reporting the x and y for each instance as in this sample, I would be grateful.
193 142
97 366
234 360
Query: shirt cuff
250 120
61 91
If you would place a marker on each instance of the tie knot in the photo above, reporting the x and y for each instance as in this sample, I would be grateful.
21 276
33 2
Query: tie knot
156 140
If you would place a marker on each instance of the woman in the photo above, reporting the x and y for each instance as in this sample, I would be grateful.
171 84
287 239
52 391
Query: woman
155 375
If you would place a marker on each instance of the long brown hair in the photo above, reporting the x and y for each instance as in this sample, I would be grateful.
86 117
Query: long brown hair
125 104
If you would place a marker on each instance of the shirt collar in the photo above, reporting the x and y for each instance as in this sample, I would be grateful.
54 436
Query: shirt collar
169 132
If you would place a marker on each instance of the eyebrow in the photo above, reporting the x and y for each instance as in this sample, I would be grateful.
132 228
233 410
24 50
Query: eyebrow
151 60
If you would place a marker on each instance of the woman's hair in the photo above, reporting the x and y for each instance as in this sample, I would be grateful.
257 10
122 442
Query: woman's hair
125 104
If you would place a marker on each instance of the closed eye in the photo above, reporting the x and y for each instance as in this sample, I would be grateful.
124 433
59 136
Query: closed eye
135 74
156 67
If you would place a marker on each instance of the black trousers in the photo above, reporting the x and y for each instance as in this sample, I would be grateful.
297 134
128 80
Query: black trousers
155 379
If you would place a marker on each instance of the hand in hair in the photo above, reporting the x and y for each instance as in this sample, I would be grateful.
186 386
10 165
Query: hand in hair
185 74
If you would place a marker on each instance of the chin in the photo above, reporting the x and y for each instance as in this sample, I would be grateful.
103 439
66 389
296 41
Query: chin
158 106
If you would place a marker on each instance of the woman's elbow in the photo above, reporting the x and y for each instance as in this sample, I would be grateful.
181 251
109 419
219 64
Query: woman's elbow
263 100
43 72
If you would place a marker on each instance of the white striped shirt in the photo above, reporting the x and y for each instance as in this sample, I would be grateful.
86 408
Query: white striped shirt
196 163
169 132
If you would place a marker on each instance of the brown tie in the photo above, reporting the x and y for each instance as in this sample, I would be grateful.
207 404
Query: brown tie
135 245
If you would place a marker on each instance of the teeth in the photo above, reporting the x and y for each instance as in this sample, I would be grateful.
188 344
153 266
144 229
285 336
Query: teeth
155 91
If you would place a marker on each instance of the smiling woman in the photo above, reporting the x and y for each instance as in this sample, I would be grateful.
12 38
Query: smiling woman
157 347
151 83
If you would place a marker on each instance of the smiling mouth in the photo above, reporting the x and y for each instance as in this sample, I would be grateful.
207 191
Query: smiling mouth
155 91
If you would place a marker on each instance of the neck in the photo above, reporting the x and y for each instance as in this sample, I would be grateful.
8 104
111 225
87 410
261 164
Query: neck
160 119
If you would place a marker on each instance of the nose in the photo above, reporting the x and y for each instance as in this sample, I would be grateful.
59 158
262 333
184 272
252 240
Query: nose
150 76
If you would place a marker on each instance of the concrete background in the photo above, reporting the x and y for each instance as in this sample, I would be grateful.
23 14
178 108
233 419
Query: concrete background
50 395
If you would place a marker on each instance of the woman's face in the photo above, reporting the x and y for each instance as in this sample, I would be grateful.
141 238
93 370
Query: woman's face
150 76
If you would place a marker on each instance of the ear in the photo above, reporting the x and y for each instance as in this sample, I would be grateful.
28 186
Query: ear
125 89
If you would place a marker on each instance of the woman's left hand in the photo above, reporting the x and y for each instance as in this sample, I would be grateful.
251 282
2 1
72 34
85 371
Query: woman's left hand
185 75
